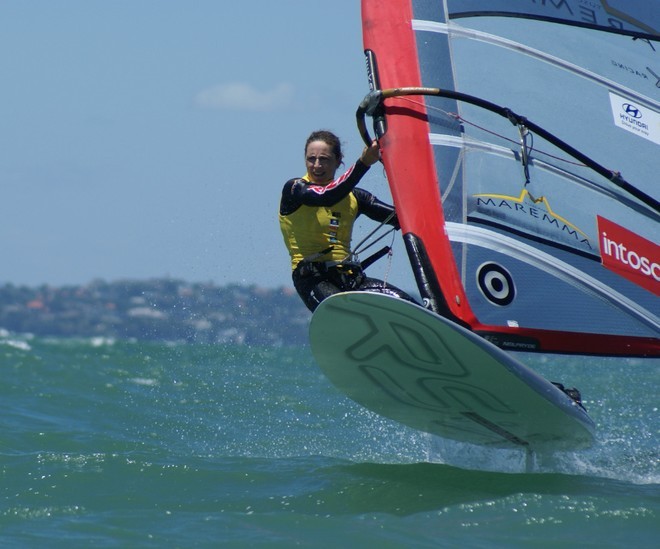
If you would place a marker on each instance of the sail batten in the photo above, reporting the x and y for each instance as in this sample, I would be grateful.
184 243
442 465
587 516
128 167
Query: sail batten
458 31
538 231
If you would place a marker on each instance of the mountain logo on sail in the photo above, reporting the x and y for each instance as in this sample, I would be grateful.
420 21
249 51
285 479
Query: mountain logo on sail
525 214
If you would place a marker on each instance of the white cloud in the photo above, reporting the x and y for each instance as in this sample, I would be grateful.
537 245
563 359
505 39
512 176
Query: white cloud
239 96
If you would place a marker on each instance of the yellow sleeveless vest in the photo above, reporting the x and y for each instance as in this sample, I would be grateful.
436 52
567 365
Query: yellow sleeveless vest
311 229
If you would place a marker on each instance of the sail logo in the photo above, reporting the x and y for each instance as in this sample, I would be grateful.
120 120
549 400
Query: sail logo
635 119
631 116
631 110
531 216
629 255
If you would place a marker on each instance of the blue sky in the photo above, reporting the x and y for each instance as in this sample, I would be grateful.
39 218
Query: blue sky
150 138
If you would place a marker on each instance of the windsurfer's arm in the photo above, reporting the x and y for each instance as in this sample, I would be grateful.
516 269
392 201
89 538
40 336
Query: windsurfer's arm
298 192
374 208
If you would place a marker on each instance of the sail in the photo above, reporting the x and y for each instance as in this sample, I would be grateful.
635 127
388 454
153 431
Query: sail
521 141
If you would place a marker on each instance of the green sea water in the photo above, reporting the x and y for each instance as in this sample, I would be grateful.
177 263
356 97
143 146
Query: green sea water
119 444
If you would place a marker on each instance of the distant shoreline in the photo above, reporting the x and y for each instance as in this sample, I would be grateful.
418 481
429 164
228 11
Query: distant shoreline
159 309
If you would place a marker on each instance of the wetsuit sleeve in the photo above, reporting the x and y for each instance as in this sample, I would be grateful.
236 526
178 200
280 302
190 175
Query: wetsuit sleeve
297 192
374 208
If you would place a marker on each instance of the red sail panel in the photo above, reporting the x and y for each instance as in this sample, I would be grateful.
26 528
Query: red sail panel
407 153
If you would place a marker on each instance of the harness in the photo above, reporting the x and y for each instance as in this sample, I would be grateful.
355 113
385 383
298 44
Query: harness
346 275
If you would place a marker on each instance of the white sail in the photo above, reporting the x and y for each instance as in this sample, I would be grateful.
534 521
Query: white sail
526 168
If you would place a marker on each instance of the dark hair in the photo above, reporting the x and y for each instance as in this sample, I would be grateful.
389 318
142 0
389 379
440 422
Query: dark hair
328 138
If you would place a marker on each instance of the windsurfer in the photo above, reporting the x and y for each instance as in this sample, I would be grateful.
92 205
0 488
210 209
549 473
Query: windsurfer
317 213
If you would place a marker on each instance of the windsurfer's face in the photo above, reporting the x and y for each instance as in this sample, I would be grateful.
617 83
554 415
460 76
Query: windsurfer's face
321 162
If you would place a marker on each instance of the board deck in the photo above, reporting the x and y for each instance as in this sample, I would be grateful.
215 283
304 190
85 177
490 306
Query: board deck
420 369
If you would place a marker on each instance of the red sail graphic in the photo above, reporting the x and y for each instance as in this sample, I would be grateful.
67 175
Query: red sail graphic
630 255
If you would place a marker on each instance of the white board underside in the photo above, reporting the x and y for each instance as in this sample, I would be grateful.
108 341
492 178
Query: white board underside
410 365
